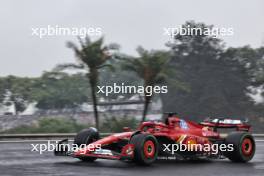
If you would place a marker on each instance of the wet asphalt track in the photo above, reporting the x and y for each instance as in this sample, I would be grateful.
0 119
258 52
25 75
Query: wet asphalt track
17 159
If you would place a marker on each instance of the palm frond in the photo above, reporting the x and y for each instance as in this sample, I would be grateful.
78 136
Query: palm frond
61 67
81 42
79 54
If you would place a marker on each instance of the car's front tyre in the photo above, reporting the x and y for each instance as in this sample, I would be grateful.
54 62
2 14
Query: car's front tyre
145 148
85 137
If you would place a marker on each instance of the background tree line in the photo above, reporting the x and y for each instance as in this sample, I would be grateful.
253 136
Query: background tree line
205 78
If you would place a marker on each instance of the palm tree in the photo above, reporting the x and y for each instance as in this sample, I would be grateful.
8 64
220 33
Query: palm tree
91 56
152 67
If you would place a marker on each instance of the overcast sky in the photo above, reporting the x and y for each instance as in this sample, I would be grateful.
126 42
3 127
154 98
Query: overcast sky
129 23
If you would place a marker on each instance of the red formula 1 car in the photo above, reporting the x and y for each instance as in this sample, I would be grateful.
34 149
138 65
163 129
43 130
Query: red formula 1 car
164 140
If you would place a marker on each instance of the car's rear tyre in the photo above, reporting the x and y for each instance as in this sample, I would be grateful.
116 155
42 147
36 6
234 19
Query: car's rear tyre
85 137
145 148
243 144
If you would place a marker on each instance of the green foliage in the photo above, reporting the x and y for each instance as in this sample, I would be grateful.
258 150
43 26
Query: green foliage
92 54
116 124
252 59
53 90
2 89
50 125
151 66
218 80
59 90
206 45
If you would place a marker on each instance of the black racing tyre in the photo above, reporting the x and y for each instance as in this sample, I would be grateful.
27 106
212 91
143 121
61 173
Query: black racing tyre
86 136
146 148
243 144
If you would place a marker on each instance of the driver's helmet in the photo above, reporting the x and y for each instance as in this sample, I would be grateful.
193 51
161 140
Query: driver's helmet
172 119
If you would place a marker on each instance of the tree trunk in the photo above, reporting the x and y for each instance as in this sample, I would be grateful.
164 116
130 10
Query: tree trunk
93 82
95 108
146 105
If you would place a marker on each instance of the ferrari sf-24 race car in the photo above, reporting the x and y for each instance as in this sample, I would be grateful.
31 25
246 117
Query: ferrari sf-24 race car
158 140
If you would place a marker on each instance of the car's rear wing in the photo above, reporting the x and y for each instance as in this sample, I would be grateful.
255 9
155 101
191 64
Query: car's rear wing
237 124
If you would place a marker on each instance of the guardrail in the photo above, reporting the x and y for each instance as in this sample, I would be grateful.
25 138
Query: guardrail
60 135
